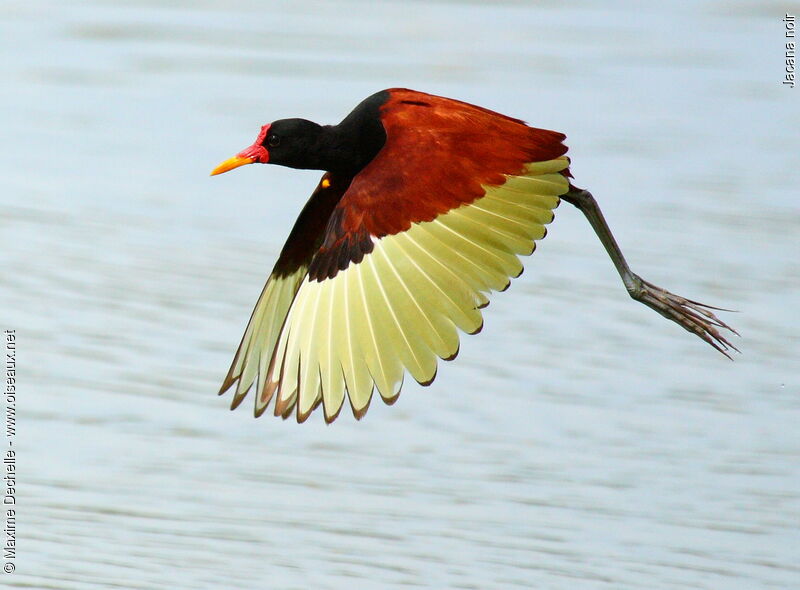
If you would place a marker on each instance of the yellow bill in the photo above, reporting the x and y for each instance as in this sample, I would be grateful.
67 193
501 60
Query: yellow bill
231 163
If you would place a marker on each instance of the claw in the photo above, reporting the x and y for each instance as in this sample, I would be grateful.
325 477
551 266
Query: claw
693 316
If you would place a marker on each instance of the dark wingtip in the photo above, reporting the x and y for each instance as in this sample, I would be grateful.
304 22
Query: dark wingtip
390 401
226 384
238 399
358 414
288 412
329 420
265 396
302 417
431 380
258 412
453 356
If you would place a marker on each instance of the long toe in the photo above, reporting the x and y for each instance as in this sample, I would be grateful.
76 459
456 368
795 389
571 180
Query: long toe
693 316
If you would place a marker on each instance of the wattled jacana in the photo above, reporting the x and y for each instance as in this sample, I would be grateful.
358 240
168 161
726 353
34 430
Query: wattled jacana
424 208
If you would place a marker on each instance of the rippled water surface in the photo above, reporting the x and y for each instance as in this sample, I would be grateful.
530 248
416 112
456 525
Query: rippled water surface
581 441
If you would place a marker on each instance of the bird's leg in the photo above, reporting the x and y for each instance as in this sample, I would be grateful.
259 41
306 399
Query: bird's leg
695 317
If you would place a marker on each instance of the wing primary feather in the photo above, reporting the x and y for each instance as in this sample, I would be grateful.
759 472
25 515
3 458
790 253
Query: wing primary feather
434 256
289 389
272 382
510 266
483 279
477 226
331 376
340 346
380 353
357 379
459 312
412 357
434 331
309 386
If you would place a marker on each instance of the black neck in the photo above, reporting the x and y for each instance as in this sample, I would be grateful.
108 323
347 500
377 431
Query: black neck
347 150
353 143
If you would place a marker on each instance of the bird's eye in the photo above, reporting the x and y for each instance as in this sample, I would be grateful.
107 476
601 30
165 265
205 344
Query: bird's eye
273 140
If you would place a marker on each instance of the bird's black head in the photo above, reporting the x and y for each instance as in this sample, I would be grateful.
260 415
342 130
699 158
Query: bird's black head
297 143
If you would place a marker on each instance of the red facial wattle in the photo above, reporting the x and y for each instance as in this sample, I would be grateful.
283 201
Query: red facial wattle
255 153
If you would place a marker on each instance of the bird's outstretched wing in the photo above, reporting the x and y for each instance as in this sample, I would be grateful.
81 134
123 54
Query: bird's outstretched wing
411 249
258 343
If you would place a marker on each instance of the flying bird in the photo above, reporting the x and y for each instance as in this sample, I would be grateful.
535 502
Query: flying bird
424 208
